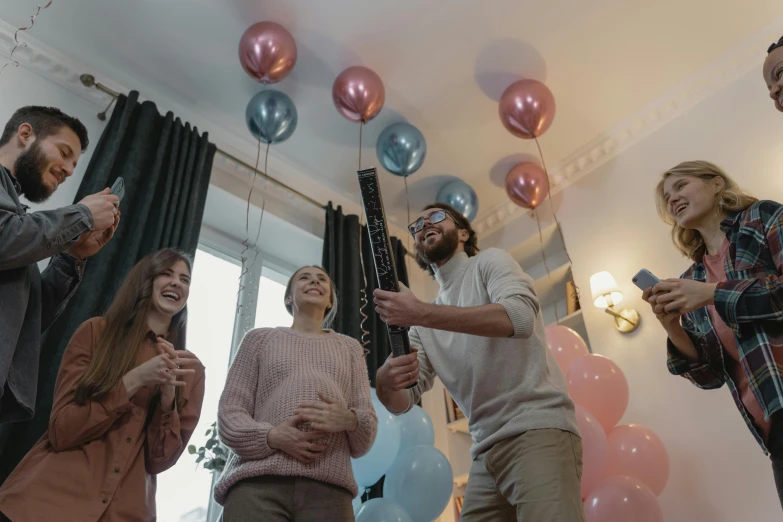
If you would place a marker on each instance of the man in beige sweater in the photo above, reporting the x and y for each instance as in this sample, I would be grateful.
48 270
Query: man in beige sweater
484 337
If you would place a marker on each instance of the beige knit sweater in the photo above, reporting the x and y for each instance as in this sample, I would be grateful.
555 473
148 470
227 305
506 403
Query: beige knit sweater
274 372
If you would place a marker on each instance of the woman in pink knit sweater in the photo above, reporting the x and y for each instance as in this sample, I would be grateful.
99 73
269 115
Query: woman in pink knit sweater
295 408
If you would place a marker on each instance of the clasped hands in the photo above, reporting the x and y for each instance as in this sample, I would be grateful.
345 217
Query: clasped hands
324 417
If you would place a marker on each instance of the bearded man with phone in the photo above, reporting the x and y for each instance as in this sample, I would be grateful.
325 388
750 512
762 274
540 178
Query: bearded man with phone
39 148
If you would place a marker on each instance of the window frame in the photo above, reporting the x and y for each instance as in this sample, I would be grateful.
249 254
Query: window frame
244 319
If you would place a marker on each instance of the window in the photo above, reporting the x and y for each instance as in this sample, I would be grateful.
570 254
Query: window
184 490
270 310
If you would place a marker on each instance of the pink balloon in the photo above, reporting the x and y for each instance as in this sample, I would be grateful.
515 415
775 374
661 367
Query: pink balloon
527 185
598 384
622 499
267 52
358 94
636 451
527 109
594 449
565 344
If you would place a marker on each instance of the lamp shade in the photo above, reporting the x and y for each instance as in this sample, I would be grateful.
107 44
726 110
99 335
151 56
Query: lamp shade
604 289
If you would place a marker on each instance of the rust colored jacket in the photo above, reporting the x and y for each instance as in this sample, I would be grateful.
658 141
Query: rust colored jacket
98 461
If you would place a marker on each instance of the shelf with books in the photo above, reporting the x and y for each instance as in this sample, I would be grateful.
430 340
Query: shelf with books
551 287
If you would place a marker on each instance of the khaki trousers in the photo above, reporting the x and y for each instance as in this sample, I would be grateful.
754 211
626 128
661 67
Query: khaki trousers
287 499
533 477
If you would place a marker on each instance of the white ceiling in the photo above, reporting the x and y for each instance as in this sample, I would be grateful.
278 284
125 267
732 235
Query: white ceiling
444 64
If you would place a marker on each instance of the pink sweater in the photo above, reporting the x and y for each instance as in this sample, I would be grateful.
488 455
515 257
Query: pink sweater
274 372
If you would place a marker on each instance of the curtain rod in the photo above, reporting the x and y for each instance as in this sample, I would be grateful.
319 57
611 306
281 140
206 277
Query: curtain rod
88 80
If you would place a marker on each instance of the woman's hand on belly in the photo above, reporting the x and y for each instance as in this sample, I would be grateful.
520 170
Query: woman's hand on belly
299 444
328 415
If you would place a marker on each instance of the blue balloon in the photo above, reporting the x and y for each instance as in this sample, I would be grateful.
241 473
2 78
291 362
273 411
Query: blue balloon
415 429
357 503
421 481
271 116
401 149
371 467
461 197
382 510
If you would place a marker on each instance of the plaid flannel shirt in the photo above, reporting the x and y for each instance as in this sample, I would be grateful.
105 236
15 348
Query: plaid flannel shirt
750 302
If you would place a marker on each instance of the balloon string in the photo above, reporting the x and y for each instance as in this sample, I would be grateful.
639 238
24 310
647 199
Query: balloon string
246 241
363 296
16 37
408 203
543 256
557 221
363 291
361 127
263 202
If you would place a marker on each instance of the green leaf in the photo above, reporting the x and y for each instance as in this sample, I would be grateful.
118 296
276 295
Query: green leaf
192 449
209 431
219 451
199 459
201 451
211 443
209 465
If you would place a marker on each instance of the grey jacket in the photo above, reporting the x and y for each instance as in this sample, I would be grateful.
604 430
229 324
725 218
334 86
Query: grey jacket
30 301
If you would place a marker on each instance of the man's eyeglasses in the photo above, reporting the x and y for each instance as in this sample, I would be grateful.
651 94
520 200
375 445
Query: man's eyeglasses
436 217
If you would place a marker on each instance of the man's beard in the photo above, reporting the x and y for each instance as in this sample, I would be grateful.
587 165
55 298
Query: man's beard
440 251
29 170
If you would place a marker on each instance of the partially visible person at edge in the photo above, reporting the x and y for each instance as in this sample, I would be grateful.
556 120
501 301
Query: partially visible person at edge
773 73
295 409
39 149
484 337
724 315
127 399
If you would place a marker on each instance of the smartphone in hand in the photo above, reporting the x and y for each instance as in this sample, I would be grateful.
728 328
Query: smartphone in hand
644 279
118 189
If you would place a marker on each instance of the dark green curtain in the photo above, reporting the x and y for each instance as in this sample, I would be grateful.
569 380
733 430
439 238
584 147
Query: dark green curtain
342 262
166 165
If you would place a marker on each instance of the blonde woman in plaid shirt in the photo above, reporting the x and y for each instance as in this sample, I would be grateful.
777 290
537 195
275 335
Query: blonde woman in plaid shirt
724 315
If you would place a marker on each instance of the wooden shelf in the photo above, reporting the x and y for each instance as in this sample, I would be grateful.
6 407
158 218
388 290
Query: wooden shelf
551 288
528 253
461 480
459 426
571 321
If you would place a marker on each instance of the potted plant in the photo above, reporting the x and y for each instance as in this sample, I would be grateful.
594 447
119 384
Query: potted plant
212 456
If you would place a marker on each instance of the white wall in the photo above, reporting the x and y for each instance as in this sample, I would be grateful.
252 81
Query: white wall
718 473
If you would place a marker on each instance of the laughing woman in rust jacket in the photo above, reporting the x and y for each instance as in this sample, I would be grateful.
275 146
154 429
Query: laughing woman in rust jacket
127 399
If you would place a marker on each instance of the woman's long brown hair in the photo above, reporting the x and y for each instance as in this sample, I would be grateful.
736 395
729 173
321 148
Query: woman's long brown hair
126 327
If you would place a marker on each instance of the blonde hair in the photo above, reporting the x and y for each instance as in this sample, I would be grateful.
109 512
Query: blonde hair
731 199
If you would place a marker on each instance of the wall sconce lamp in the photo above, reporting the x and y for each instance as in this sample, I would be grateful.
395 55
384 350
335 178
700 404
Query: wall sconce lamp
607 295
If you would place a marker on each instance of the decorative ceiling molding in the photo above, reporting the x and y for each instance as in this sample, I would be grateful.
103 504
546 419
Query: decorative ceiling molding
742 58
748 54
49 63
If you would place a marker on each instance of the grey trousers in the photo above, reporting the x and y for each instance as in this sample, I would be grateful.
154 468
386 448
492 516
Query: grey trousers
287 499
533 477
